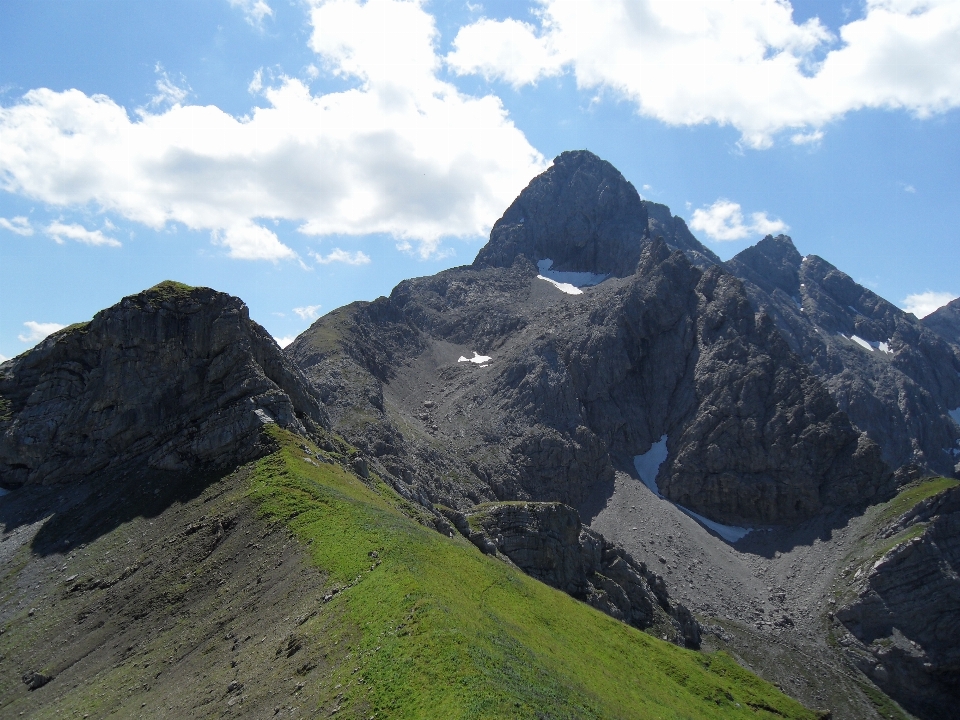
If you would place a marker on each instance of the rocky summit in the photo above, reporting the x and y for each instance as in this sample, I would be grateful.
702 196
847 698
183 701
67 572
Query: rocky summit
172 379
757 456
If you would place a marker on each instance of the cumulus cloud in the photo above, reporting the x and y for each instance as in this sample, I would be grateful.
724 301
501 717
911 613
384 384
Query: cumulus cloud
285 340
342 256
19 225
3 358
402 152
58 231
253 10
246 240
922 304
307 312
747 64
37 331
724 221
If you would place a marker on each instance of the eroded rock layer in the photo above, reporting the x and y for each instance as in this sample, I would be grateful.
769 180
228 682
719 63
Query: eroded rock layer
895 378
174 378
547 541
906 614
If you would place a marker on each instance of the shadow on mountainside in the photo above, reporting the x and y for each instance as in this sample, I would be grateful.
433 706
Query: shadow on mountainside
79 513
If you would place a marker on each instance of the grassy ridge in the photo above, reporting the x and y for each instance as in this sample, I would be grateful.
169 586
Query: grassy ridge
437 630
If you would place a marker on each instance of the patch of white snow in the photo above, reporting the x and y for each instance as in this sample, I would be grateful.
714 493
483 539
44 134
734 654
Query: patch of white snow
730 533
577 279
884 347
562 287
477 358
955 415
861 342
648 464
855 311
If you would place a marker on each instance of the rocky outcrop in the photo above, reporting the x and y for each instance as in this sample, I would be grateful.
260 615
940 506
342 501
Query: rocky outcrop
945 321
174 378
896 379
596 222
906 615
548 542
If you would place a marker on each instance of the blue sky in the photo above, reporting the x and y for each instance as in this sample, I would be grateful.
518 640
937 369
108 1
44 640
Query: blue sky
302 155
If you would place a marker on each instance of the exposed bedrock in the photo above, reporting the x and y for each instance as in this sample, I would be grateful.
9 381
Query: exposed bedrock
945 321
174 378
893 375
548 542
578 384
595 223
906 615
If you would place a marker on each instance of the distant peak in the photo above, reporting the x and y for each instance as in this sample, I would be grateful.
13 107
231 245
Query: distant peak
581 213
772 262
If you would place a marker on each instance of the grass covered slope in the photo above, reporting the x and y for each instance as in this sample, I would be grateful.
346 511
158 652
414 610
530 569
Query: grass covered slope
436 629
292 588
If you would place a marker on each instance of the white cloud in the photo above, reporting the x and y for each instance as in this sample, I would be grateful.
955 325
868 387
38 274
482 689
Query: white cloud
342 256
38 331
246 240
58 231
253 10
922 304
747 63
285 340
19 225
256 85
402 153
168 92
724 221
308 312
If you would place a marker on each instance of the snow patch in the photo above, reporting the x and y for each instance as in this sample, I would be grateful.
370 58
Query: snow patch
855 311
575 279
799 304
477 358
648 464
562 287
861 342
954 415
884 347
730 533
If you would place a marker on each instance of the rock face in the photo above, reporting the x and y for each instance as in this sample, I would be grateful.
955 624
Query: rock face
596 224
906 615
945 321
895 378
580 384
548 542
175 378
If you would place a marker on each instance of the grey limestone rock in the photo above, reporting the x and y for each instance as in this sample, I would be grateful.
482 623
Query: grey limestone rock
596 224
174 378
549 543
580 384
945 321
896 379
907 610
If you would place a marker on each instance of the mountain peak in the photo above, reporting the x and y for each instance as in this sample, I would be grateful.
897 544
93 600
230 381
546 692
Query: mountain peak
774 262
581 213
